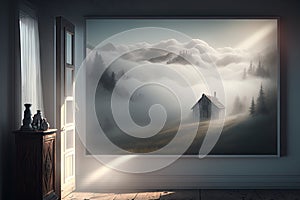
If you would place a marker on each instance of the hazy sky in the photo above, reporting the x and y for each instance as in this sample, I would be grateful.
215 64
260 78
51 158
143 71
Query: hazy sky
236 33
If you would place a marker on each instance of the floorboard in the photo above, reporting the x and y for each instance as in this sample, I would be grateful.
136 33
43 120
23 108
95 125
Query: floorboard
191 195
181 195
148 196
126 196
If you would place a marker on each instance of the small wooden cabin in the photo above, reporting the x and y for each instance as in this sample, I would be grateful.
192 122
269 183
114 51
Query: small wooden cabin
208 107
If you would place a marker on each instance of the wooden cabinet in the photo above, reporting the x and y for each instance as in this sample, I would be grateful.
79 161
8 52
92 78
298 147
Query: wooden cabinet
36 162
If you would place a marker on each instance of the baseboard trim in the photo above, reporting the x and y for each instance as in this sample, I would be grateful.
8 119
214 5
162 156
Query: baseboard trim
156 182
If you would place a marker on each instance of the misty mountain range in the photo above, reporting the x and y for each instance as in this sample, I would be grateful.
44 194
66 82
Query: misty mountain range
196 52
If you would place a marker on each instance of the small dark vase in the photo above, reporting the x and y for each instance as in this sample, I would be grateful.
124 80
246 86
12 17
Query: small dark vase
44 125
37 121
27 118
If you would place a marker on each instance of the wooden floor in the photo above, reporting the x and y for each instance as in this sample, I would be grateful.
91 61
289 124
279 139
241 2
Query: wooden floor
191 195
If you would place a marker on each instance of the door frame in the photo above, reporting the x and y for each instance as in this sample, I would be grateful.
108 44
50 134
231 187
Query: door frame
62 26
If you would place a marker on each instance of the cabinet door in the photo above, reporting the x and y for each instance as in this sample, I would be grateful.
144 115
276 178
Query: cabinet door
48 167
28 166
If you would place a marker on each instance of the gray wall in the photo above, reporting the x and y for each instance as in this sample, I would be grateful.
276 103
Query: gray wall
4 66
7 89
283 172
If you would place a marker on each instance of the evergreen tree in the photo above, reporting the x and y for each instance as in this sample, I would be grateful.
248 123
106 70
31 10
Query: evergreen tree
113 79
261 71
105 78
244 74
108 80
238 106
251 68
99 60
261 102
252 107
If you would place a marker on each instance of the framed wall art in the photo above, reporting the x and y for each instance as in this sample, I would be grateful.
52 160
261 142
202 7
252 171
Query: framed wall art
182 86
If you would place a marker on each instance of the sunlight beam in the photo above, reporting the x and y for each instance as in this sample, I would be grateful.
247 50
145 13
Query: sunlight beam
104 170
256 37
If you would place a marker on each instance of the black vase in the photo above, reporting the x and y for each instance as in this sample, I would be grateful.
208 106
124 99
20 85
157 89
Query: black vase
27 118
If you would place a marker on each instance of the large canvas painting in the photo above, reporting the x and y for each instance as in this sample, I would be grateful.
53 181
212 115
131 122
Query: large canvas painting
191 86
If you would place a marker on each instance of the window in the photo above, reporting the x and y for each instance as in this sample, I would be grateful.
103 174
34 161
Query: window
30 63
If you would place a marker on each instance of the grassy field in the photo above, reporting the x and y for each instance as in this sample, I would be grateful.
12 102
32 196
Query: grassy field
241 135
252 136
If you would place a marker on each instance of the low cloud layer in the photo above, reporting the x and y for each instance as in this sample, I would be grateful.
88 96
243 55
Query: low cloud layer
231 64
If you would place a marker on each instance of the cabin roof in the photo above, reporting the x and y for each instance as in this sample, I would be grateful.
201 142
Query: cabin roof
212 99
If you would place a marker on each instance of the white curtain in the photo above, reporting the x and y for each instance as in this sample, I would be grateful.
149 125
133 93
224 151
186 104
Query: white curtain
30 64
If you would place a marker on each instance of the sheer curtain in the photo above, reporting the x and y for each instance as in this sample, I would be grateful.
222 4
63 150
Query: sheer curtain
30 63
